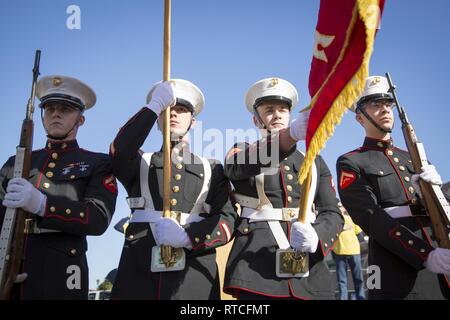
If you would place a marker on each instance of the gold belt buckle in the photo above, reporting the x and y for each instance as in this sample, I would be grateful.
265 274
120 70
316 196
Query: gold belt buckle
178 258
288 213
292 264
177 262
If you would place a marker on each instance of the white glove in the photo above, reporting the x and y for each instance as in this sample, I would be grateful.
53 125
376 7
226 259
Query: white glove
298 127
303 237
22 194
21 277
170 233
429 174
162 97
438 261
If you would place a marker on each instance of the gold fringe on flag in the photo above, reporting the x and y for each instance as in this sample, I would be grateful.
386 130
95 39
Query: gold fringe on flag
368 11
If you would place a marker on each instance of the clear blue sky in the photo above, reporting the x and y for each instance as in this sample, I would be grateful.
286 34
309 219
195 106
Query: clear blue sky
223 47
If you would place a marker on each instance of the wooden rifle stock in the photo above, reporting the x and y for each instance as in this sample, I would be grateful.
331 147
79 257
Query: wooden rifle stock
433 198
13 227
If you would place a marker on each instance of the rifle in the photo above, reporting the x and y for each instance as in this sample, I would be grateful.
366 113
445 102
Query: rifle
432 196
12 234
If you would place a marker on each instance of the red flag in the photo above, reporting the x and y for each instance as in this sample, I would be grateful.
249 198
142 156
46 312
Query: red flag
344 40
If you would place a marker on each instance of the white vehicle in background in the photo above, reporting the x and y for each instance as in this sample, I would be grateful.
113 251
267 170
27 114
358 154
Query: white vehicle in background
99 295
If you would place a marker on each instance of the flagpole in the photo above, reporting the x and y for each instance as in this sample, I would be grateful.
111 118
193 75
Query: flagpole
166 251
306 188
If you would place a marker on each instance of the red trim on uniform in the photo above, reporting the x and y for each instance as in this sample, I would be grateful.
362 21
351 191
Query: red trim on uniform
284 188
430 243
291 291
447 279
399 176
401 150
209 244
346 179
288 230
424 232
329 249
65 219
324 253
61 217
423 257
352 152
333 186
50 151
41 173
371 148
233 290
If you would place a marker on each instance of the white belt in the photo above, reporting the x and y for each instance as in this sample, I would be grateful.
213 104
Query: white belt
151 216
275 214
399 212
246 201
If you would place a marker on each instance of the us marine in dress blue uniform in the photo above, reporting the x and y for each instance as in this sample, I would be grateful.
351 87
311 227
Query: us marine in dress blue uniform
264 175
378 186
199 191
71 192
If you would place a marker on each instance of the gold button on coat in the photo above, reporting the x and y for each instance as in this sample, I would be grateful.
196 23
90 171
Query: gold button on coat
287 168
407 179
396 159
52 209
173 202
179 166
177 177
54 155
390 153
208 237
82 214
73 252
49 174
68 211
289 188
46 185
175 189
402 168
51 165
290 176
